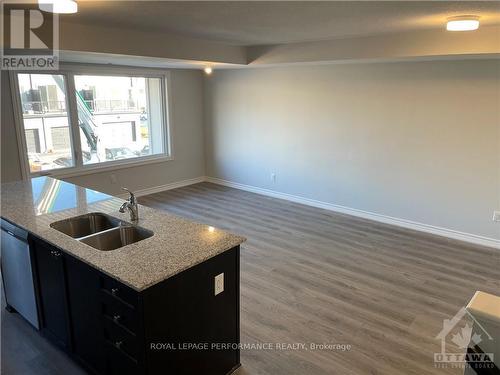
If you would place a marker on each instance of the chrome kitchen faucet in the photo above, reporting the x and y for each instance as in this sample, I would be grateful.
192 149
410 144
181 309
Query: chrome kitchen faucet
131 205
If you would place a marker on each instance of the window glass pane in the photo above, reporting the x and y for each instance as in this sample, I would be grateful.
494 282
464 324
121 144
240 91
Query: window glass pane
46 123
119 117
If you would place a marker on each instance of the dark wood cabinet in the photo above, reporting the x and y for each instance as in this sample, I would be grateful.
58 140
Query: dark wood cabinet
185 310
112 329
85 311
52 290
120 363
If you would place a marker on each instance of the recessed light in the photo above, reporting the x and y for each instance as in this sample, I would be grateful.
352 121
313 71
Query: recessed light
462 23
58 6
208 70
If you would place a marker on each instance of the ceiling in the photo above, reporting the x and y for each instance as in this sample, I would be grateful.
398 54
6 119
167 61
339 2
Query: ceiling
276 22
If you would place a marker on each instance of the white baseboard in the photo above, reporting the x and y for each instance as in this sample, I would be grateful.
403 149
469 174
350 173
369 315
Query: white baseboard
444 232
160 188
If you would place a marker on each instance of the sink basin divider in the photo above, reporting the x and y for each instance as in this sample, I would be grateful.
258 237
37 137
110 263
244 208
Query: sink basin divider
101 232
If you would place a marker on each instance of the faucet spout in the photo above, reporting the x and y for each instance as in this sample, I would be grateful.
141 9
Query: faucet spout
123 207
131 205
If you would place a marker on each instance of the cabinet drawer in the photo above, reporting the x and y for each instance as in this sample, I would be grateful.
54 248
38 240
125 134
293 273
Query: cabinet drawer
119 291
118 362
120 338
119 312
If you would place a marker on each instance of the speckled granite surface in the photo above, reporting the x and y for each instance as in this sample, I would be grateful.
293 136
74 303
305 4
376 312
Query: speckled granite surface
177 243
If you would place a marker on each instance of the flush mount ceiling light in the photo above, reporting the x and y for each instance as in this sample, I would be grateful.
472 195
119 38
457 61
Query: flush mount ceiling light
58 6
462 23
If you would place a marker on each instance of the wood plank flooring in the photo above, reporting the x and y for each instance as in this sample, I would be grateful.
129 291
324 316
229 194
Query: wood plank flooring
314 276
25 352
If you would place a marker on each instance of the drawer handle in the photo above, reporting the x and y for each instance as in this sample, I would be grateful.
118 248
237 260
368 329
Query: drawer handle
116 318
114 291
118 344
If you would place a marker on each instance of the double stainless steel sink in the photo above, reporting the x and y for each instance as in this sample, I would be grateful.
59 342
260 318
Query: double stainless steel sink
101 231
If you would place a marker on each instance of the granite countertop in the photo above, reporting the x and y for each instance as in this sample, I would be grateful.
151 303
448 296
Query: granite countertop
177 243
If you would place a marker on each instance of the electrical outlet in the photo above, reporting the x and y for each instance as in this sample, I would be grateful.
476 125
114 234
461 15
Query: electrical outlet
113 179
496 216
273 177
219 283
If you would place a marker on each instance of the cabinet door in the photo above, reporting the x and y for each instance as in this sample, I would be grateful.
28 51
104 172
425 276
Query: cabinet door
186 309
86 317
52 287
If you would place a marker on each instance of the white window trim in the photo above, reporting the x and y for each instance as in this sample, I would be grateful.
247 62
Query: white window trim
69 71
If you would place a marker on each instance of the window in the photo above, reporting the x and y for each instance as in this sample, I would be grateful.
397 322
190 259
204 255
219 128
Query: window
125 111
75 120
46 122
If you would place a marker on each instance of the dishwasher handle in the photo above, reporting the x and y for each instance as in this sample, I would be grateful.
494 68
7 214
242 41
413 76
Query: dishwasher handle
14 231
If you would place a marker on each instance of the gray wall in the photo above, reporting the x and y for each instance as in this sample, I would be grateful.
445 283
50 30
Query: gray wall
187 130
10 166
415 140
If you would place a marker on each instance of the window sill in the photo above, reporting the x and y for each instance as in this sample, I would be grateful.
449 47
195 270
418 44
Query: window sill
102 167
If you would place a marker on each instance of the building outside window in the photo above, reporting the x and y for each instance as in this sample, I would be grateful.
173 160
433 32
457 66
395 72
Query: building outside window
73 121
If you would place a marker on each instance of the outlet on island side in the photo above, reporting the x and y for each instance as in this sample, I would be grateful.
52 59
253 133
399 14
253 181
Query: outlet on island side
219 283
496 216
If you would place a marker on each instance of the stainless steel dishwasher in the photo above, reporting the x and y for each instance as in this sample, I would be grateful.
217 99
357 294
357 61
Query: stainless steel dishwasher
17 272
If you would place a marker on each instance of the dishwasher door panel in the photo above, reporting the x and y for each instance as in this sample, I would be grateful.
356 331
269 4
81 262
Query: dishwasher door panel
17 276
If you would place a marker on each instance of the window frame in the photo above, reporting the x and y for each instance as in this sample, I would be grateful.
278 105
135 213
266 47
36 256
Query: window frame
69 71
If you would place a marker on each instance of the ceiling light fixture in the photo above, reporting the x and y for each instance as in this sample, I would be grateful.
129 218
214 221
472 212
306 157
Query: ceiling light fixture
208 70
58 6
462 23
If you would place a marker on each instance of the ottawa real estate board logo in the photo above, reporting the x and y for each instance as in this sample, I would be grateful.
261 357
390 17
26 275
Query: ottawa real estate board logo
30 37
464 343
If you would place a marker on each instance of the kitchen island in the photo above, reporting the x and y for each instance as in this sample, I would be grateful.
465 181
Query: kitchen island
167 304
